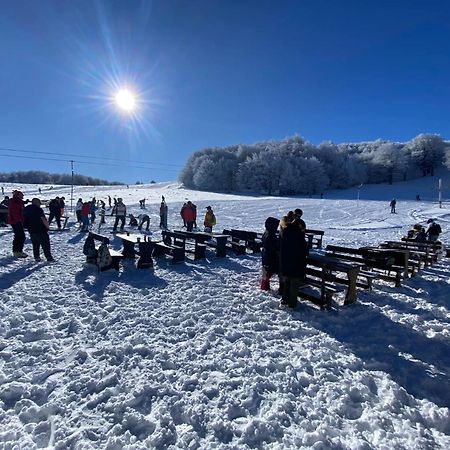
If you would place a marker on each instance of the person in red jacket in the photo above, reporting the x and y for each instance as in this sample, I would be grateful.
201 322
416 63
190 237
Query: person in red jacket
189 215
85 211
15 219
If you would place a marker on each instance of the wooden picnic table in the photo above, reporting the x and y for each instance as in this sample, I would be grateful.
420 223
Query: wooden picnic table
145 248
177 238
204 238
427 248
250 239
330 266
400 255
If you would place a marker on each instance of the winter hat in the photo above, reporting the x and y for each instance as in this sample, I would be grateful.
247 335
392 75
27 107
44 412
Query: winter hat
430 220
18 194
208 207
271 224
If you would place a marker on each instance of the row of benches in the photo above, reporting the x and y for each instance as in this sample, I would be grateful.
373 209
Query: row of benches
392 261
177 243
326 273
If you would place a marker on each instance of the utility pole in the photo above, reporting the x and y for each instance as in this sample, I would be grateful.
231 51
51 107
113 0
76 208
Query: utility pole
440 192
359 189
71 188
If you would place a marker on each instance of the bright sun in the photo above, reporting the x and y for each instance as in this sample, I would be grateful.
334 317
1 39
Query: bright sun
125 100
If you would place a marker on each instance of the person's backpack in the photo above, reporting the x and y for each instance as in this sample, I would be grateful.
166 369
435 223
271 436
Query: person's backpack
104 259
89 247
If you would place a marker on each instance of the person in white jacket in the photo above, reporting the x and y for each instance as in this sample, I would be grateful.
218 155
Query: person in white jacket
78 207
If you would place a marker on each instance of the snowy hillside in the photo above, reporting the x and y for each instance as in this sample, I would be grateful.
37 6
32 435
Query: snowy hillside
194 355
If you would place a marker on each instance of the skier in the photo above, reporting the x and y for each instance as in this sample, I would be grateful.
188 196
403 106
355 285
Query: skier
392 205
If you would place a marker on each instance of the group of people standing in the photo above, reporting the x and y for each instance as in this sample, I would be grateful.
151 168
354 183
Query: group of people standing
86 212
32 218
284 252
188 213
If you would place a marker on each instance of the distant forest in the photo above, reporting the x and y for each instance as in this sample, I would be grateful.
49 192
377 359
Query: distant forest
295 166
37 177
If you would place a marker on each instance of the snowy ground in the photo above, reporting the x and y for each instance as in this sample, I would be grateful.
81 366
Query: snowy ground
196 356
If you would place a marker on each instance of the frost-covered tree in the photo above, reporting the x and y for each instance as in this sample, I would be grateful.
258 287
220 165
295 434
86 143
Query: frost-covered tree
427 151
295 166
35 176
303 176
447 155
389 163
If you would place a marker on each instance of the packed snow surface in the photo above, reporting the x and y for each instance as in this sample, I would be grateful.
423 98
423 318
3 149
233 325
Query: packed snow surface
195 355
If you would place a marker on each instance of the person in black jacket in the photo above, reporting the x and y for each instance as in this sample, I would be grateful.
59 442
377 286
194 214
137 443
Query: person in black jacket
299 213
270 252
4 212
55 212
293 253
37 225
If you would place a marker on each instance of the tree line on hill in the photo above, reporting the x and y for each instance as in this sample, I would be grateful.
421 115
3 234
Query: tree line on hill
295 166
38 177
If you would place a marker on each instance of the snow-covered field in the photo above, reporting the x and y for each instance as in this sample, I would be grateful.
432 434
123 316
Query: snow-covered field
196 356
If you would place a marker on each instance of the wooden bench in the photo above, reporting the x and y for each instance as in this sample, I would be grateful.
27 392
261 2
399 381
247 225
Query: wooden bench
115 255
250 240
431 248
318 287
176 252
178 238
145 248
315 238
236 244
337 271
217 241
418 259
325 276
372 262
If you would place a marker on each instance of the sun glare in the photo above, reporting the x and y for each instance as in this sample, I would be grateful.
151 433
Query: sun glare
125 100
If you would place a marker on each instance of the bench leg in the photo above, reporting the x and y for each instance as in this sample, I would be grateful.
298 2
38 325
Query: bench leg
177 255
221 250
351 295
145 262
398 279
128 250
199 252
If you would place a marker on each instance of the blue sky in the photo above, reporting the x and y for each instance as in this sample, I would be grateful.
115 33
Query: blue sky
213 73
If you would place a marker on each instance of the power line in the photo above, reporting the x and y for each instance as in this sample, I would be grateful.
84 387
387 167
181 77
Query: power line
88 162
9 149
